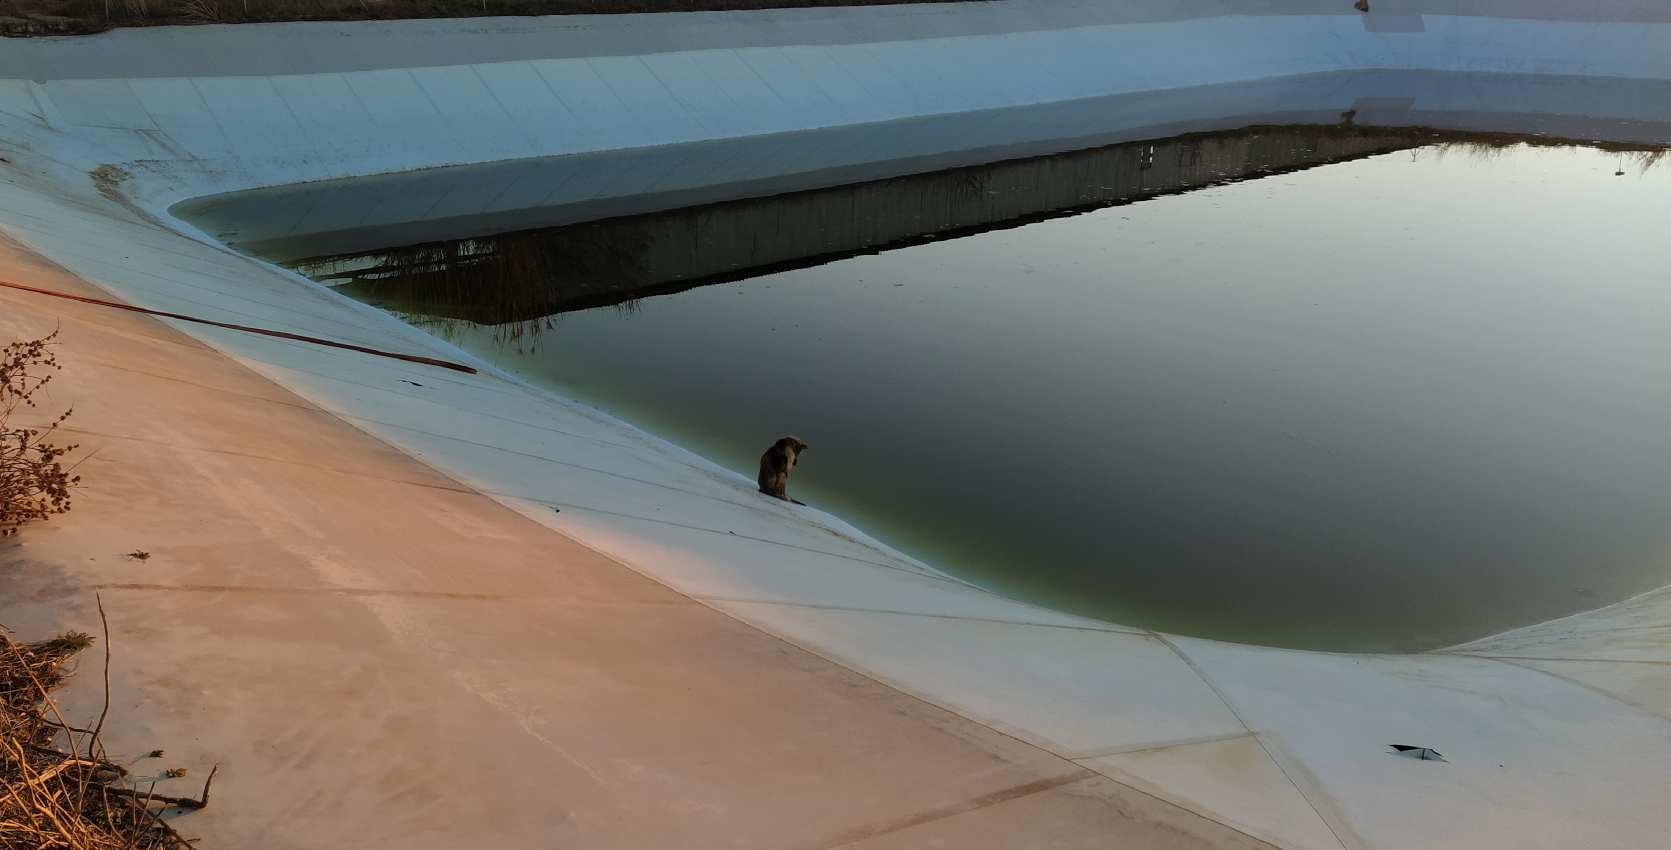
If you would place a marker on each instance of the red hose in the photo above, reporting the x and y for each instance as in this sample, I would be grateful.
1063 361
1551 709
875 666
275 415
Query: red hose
410 358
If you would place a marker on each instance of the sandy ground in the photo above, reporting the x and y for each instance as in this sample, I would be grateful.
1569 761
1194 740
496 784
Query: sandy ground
378 656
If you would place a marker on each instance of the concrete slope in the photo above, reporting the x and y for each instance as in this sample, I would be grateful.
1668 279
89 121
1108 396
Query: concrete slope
378 656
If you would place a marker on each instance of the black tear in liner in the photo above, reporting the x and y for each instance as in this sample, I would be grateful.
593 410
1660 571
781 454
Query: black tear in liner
1418 753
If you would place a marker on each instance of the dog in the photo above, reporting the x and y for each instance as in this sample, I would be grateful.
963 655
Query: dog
775 466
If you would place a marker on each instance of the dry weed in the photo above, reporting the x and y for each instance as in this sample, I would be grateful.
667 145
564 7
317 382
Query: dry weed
67 795
33 482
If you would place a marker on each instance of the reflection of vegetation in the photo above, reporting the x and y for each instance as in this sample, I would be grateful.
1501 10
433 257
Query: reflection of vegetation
513 335
616 262
1486 146
521 336
511 280
1643 160
528 273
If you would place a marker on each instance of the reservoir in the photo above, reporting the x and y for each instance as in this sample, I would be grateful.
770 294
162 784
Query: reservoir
1312 385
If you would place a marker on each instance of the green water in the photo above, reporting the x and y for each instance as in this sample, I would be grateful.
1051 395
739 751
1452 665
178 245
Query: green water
1391 403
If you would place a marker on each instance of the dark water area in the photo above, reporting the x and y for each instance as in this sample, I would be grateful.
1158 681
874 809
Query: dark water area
621 260
1330 387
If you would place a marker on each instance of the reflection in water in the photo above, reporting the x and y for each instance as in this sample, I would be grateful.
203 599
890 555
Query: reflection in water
529 274
522 276
1416 396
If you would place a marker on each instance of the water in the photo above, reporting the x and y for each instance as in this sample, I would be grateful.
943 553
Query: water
1415 396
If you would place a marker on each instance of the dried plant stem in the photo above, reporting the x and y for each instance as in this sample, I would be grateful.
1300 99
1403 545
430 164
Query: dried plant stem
50 797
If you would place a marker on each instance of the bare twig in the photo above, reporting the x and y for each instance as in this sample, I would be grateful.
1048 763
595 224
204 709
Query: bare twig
203 799
166 801
57 799
93 746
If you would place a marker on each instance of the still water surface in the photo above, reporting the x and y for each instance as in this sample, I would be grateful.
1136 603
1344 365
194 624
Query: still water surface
1389 403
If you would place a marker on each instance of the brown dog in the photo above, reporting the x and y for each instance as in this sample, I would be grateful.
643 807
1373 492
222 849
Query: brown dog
776 464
